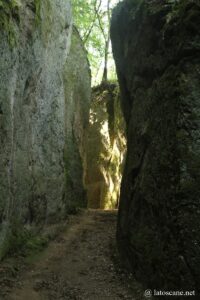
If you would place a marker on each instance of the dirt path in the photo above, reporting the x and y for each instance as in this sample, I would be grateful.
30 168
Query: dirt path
77 265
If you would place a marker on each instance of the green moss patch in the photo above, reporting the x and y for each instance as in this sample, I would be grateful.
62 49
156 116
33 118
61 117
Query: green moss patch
9 15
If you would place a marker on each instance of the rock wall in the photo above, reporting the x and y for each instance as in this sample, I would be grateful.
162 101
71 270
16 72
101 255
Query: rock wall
156 46
35 39
105 148
77 79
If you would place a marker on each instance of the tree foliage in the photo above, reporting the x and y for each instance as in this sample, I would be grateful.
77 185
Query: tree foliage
92 18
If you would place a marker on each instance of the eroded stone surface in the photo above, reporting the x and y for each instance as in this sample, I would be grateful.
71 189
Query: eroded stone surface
34 106
156 47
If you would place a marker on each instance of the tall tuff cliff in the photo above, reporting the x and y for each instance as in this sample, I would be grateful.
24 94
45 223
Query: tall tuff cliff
105 148
77 80
35 39
156 47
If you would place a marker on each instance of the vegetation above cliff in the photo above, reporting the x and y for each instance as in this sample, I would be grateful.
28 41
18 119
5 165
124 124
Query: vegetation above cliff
92 18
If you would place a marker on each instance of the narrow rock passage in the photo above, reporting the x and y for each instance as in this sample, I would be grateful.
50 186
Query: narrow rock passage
77 265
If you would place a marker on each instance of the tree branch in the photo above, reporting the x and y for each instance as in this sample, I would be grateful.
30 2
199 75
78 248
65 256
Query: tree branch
88 32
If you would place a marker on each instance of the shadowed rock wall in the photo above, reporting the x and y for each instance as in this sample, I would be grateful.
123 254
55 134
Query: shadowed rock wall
156 47
77 79
35 40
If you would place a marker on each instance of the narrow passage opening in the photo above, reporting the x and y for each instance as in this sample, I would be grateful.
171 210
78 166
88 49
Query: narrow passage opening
105 138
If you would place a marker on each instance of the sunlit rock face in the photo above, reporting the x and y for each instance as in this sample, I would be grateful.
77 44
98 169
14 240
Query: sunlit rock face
33 98
156 47
105 148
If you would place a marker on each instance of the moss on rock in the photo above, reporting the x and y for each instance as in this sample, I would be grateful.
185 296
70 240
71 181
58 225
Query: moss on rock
9 15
